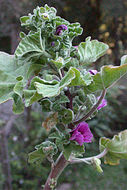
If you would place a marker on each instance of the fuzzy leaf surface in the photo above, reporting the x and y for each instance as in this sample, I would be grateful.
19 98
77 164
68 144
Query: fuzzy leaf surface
36 156
77 150
117 148
90 51
53 88
31 46
13 78
107 77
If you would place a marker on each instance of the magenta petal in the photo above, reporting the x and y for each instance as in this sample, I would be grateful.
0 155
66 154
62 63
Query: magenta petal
88 137
81 134
79 139
83 127
74 134
102 104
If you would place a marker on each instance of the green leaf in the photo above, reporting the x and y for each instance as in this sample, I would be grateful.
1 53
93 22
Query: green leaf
59 62
24 20
73 148
62 99
48 89
66 116
9 73
18 105
53 88
31 46
43 150
87 78
90 51
90 101
106 77
18 88
13 78
80 79
55 135
66 80
31 96
117 148
57 105
36 156
49 148
46 105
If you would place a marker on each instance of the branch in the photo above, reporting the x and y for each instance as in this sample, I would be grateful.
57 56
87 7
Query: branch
59 166
86 160
92 110
61 162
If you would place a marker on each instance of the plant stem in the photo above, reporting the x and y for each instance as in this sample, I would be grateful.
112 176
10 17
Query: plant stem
61 162
59 166
92 110
78 160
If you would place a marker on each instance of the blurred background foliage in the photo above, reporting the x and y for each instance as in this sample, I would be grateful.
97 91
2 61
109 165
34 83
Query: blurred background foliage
100 19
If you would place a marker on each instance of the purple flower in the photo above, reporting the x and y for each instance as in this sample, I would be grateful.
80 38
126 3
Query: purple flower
102 104
81 134
52 44
60 28
93 72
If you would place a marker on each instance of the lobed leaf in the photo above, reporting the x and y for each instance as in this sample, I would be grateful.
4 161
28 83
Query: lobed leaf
106 77
36 156
117 148
73 148
53 88
66 115
31 46
42 151
13 79
90 51
80 79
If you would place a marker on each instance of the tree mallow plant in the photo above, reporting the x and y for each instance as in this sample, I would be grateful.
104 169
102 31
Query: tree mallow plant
46 68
